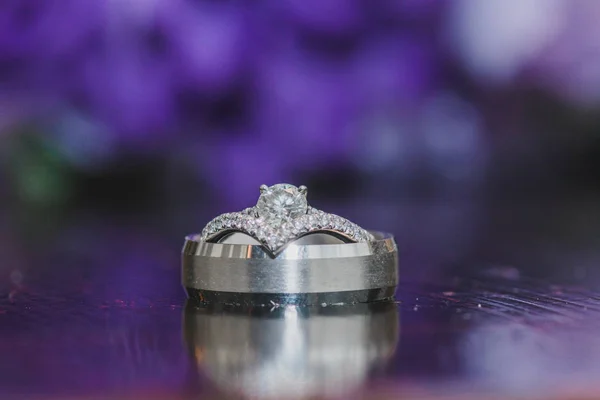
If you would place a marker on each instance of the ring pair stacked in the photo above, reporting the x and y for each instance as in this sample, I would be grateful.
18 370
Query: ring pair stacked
284 266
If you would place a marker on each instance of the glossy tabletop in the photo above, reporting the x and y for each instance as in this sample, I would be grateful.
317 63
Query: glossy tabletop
93 308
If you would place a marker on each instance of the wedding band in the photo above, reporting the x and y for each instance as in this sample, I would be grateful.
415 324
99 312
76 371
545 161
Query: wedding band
292 260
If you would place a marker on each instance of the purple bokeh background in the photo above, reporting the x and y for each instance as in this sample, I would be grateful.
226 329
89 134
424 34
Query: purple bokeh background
469 129
426 119
274 91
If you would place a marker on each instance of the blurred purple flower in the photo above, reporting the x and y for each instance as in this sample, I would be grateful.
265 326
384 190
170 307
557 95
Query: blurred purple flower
397 72
209 44
328 16
553 43
304 74
495 40
40 40
570 64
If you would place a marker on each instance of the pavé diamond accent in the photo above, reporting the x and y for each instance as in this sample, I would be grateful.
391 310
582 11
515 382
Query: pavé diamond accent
282 215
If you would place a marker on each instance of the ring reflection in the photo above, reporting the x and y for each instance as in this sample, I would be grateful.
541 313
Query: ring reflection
291 352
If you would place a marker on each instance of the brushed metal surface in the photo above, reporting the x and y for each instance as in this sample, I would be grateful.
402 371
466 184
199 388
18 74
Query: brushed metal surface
242 268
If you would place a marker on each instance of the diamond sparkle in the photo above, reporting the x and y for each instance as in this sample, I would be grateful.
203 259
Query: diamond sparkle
281 215
280 203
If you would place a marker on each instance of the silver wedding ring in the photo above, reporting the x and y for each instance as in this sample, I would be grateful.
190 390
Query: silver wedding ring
284 252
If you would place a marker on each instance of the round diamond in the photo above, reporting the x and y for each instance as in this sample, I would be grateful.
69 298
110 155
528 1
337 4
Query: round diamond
264 232
300 224
281 203
347 227
337 223
249 225
358 234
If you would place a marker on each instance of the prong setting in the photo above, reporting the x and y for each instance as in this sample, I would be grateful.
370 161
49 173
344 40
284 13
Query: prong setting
281 215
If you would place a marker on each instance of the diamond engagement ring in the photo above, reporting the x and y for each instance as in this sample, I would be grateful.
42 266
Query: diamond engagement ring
282 251
282 215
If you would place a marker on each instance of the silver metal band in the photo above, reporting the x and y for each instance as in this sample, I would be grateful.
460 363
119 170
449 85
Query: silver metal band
300 274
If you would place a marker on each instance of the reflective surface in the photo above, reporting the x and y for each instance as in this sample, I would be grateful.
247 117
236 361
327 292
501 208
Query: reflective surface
291 352
473 337
92 307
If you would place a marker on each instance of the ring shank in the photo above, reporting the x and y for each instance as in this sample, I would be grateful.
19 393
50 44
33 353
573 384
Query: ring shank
300 274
